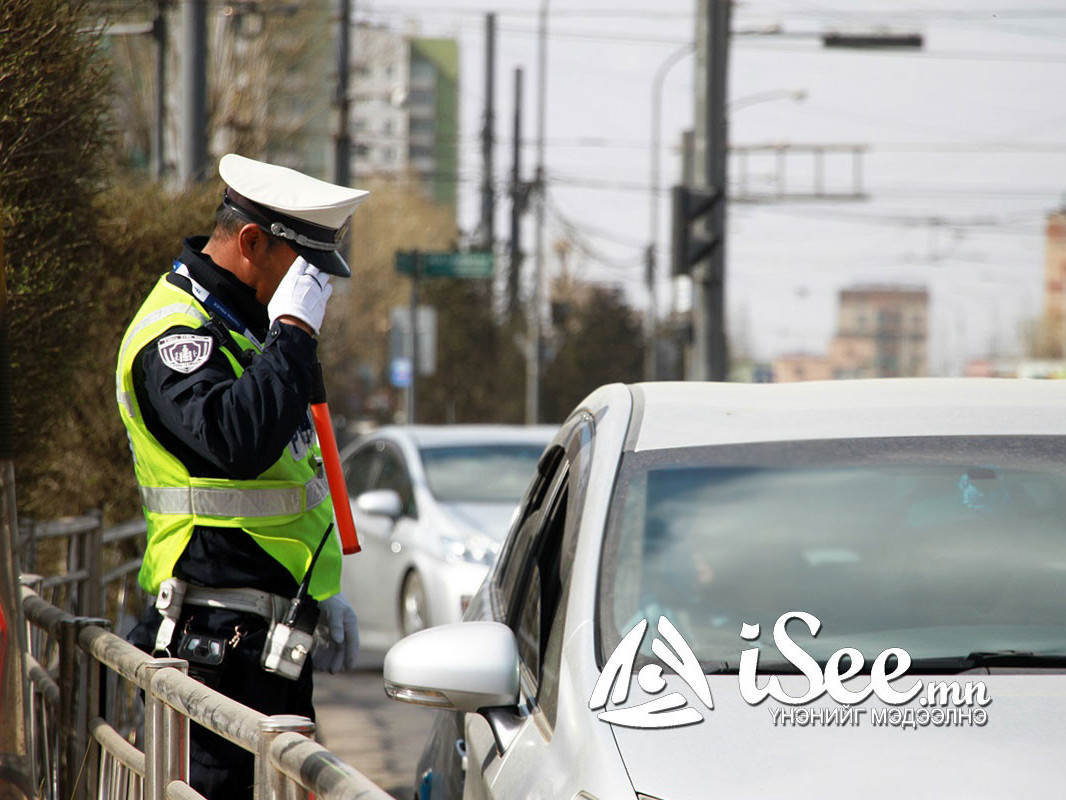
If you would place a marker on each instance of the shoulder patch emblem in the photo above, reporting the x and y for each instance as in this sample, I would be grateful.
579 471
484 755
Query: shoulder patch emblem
185 352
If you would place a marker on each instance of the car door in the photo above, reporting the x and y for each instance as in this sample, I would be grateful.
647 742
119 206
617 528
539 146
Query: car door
360 472
530 592
374 575
393 542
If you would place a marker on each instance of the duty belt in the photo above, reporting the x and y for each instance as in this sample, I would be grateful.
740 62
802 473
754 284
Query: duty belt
174 593
250 601
218 502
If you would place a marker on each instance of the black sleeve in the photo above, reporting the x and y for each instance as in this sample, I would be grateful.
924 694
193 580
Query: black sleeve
235 427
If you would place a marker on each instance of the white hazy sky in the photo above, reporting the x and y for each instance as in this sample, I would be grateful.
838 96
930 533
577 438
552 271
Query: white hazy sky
971 130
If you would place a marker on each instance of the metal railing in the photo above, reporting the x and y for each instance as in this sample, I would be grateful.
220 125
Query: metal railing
91 571
90 737
79 754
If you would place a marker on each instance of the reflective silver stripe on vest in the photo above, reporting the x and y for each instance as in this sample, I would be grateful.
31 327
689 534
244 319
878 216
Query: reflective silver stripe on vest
317 491
126 402
202 501
160 313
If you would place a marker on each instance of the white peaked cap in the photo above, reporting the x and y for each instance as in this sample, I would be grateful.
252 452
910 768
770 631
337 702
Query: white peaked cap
312 215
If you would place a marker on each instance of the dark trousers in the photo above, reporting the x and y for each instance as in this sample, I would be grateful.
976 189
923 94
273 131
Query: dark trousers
218 768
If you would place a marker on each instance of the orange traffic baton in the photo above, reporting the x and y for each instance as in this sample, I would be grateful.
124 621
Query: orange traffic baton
331 461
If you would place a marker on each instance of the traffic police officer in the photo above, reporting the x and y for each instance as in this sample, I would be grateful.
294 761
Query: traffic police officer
213 383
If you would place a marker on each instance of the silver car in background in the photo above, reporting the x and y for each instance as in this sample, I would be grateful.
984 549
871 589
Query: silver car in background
431 505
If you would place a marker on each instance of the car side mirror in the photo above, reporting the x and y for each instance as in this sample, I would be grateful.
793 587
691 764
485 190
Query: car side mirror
381 503
467 666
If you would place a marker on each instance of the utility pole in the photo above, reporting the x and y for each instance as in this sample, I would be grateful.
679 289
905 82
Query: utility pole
342 152
651 320
710 361
416 276
194 90
533 344
488 139
518 201
159 33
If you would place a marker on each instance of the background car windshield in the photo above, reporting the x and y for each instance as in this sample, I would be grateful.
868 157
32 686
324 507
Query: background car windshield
497 473
942 546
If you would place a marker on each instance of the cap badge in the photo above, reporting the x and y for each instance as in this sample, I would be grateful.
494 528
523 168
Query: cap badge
342 232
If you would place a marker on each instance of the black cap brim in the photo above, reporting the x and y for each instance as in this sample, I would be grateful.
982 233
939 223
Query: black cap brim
291 229
329 261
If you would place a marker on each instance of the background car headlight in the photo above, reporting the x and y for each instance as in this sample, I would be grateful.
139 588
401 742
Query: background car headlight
474 548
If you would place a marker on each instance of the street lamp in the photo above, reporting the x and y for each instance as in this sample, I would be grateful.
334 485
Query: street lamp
797 95
651 318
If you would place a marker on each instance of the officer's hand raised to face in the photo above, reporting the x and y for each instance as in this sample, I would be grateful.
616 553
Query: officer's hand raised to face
302 294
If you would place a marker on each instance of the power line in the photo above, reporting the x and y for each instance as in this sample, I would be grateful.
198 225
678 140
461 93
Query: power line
758 43
812 11
605 143
576 234
931 13
453 11
597 232
947 55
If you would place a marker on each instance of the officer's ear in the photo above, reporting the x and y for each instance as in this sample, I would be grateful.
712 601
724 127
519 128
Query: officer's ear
253 242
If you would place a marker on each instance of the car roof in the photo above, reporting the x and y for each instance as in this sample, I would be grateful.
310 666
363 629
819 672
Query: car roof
673 415
457 435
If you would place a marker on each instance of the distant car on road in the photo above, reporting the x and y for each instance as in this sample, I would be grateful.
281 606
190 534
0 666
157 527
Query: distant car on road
671 527
431 505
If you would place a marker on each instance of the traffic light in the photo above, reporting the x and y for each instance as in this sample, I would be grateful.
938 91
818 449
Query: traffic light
689 207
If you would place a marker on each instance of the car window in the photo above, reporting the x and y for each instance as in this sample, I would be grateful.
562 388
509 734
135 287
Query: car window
554 579
536 589
508 576
394 476
942 546
508 569
555 587
481 473
359 470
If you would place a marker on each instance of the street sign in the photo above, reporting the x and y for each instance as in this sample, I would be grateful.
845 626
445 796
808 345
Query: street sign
477 264
400 373
400 337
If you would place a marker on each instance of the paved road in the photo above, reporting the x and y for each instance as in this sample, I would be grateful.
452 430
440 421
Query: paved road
378 736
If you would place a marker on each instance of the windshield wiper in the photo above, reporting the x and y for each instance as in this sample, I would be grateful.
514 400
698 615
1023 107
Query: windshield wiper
945 664
990 658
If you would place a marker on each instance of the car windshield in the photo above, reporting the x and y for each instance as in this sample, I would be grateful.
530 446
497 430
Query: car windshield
483 473
942 546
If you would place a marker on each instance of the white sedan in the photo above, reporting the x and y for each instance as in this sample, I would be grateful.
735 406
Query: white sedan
431 505
796 590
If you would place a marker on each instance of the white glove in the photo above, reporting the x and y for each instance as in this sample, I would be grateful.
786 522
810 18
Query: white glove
338 652
302 293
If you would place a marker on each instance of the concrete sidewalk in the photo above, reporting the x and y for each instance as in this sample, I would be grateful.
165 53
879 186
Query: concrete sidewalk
380 737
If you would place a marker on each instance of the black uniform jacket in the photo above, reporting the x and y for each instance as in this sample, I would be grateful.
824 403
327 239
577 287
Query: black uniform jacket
219 426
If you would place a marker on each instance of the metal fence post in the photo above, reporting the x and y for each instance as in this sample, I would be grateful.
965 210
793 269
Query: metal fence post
34 636
27 534
271 783
94 562
74 703
93 683
166 735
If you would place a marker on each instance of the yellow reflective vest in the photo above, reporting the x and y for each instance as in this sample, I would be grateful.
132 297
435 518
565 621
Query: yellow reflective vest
285 509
